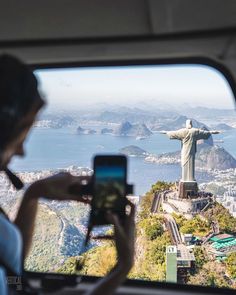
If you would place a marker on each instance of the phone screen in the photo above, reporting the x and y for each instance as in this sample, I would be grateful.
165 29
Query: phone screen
110 184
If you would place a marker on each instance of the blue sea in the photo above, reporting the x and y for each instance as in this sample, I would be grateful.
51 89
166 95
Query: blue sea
59 148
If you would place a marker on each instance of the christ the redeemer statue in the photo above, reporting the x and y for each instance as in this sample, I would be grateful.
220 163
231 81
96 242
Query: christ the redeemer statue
189 137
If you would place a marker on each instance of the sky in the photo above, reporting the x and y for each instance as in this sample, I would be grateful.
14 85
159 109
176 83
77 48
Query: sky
191 85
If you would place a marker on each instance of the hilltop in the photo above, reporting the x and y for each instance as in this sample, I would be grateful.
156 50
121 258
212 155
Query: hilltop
214 157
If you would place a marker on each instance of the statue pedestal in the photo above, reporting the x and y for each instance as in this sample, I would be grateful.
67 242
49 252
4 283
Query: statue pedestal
187 189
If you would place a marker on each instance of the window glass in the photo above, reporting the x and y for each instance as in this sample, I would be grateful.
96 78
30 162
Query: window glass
184 178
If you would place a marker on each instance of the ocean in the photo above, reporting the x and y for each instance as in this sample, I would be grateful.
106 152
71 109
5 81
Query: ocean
60 148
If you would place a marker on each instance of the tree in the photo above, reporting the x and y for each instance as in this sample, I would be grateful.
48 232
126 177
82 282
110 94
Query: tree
231 264
161 185
197 226
227 223
200 257
157 250
179 219
152 227
99 260
146 202
145 206
212 274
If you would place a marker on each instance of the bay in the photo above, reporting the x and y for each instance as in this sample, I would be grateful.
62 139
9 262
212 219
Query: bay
60 148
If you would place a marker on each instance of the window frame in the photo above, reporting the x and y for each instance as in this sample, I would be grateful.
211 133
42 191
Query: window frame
49 279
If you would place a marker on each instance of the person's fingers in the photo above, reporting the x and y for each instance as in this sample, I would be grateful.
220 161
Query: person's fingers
103 237
132 208
65 175
65 196
68 178
130 221
130 217
82 179
74 197
84 199
111 217
119 230
57 194
79 185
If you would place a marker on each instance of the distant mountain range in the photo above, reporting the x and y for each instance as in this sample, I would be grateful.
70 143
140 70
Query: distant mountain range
223 127
133 115
207 112
174 123
155 118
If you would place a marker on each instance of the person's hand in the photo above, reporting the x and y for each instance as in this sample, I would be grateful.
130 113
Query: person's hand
57 187
124 235
124 240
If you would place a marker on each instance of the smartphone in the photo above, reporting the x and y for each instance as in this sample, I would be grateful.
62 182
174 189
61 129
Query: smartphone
109 187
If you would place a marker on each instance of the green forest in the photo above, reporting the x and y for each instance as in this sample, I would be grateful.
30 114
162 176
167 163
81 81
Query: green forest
151 242
51 252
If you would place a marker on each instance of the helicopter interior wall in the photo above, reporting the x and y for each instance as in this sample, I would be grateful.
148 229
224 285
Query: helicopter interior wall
62 31
68 31
27 20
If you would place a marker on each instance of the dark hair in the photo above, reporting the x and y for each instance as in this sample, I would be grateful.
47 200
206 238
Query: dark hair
18 94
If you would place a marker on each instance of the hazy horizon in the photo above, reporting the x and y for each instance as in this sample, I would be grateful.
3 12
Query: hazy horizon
136 86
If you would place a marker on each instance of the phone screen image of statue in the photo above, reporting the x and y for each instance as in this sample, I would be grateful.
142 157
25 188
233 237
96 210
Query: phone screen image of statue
109 187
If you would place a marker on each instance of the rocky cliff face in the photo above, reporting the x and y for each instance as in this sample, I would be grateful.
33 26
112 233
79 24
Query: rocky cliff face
214 157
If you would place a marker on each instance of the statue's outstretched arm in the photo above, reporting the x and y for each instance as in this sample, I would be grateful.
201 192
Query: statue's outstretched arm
205 134
178 134
215 131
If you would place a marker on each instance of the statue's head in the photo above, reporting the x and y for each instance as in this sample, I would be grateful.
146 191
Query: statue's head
189 124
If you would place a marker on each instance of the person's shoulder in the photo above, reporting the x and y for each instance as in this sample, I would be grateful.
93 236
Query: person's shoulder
11 244
2 212
8 228
5 223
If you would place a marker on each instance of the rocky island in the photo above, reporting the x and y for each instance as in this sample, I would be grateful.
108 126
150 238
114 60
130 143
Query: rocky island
82 131
106 131
133 151
128 129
